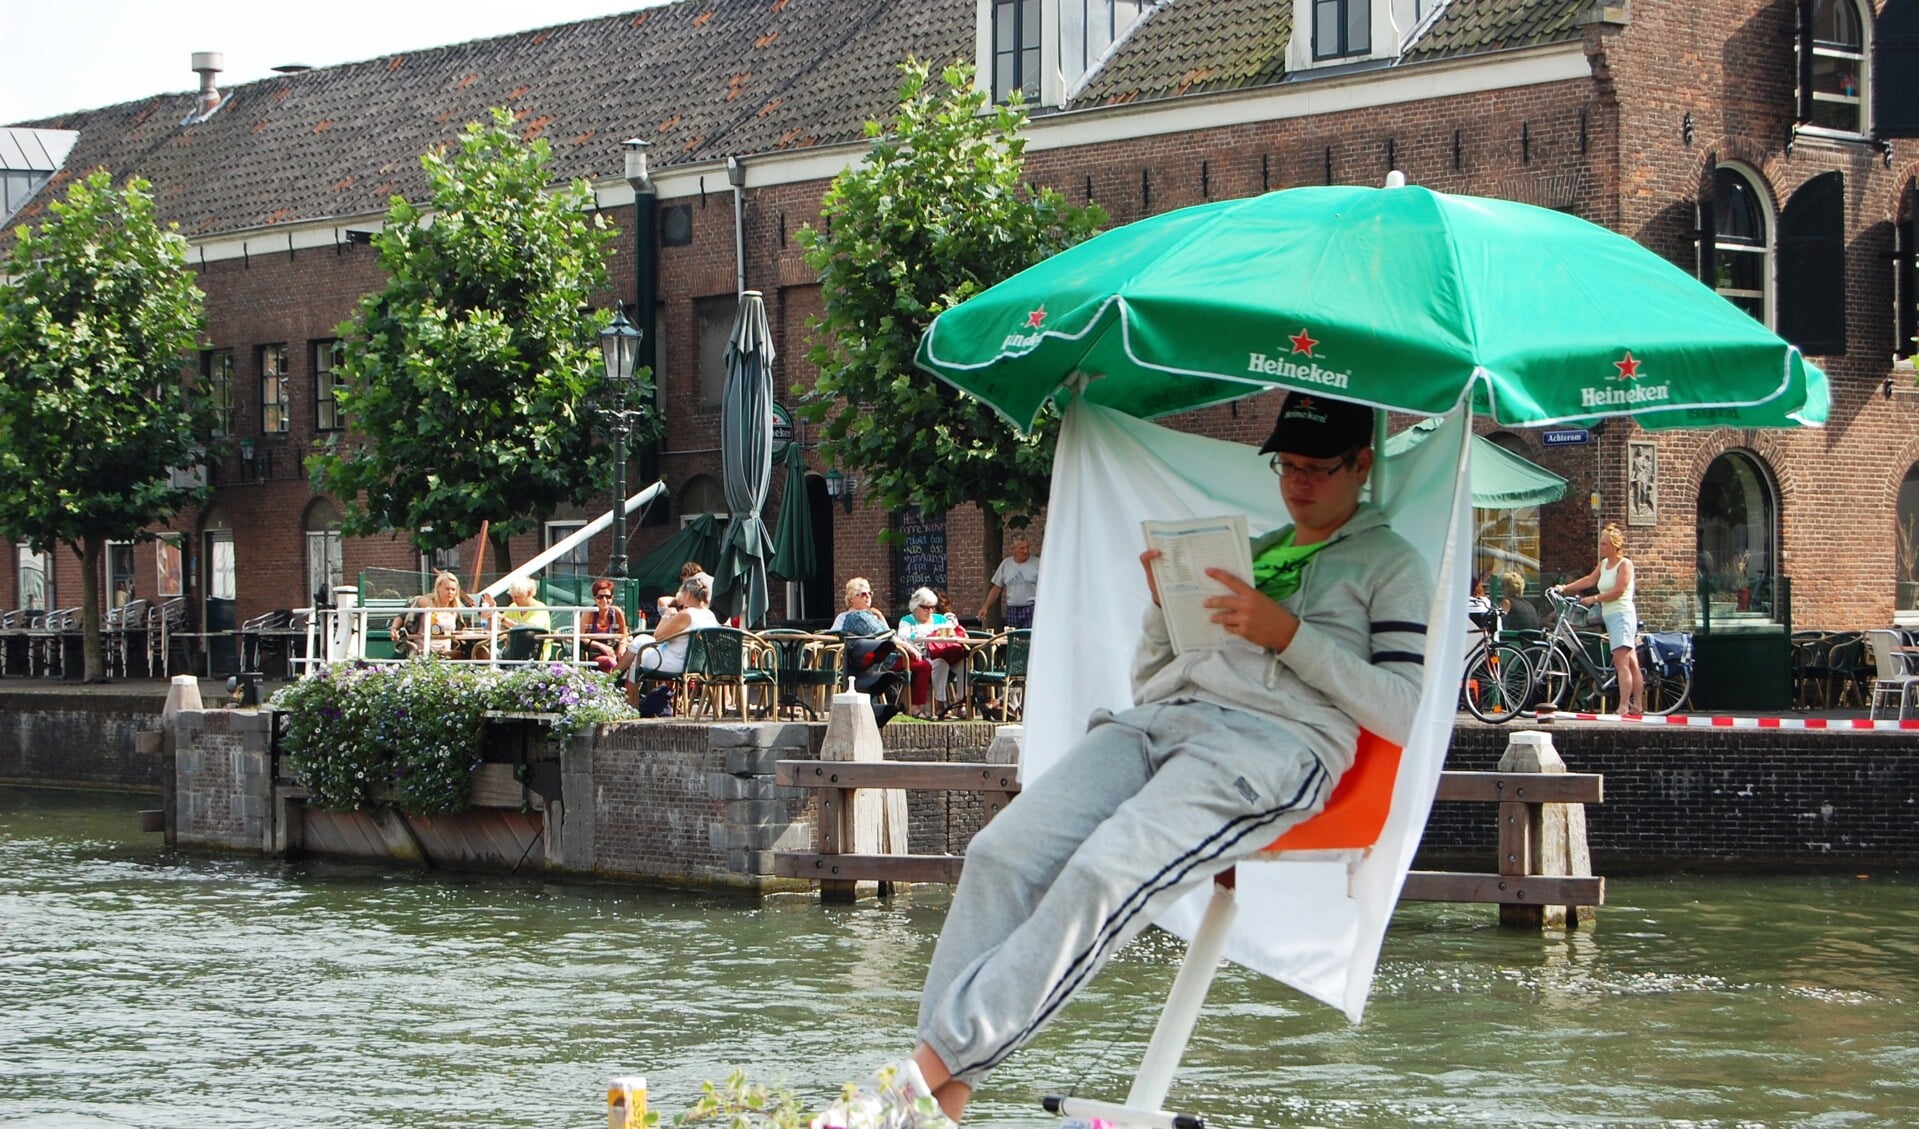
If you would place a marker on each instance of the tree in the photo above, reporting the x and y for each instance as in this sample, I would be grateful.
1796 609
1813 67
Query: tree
95 406
467 379
936 213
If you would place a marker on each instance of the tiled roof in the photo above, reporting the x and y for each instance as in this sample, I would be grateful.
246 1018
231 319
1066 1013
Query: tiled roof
1199 46
1195 46
700 79
1470 26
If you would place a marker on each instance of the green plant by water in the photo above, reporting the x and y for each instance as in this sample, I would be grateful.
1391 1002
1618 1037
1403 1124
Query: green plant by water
357 735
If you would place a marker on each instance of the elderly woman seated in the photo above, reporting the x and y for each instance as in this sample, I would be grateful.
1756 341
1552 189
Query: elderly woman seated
664 651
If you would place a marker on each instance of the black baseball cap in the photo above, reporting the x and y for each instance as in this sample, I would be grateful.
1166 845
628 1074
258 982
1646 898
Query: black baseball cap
1319 427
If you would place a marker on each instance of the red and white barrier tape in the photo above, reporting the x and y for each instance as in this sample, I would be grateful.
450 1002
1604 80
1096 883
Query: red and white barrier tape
1714 721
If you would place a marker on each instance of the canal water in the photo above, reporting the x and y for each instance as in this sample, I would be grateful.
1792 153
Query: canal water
141 987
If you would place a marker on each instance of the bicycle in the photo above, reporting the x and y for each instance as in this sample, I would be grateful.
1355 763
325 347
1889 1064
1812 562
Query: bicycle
1498 681
1565 674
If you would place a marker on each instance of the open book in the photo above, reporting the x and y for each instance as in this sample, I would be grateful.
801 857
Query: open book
1188 549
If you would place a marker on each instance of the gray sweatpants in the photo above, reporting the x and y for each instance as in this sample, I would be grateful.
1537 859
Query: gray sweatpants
1151 803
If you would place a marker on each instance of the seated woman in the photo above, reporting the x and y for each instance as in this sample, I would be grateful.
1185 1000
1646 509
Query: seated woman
664 651
1514 612
430 632
604 626
525 608
859 618
935 636
670 603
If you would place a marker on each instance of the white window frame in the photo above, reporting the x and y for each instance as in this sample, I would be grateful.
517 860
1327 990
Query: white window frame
325 545
1861 62
326 380
25 561
575 562
1769 215
274 409
216 368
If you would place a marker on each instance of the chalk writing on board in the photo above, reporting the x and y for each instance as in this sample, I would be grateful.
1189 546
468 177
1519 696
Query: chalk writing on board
919 560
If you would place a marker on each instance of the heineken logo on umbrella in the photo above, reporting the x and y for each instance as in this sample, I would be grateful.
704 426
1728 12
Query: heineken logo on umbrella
1627 370
1034 319
1303 344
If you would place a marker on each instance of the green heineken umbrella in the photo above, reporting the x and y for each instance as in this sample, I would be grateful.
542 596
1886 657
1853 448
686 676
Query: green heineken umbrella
1400 297
1501 480
699 540
794 557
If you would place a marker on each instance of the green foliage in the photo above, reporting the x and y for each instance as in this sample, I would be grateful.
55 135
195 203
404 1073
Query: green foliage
935 214
738 1104
95 326
468 376
359 734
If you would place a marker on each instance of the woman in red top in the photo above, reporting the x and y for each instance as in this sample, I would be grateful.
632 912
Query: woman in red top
607 619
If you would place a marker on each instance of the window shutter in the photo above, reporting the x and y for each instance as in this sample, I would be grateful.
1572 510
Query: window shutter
1812 267
1804 92
1895 70
1708 228
1906 279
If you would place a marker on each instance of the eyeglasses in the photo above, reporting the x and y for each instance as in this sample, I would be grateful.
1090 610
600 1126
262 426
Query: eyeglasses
857 595
1284 469
603 595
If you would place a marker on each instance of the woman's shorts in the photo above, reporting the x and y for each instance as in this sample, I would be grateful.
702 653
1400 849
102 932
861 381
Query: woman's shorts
1622 629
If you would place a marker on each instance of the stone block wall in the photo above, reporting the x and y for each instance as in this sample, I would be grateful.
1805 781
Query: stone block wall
56 735
223 777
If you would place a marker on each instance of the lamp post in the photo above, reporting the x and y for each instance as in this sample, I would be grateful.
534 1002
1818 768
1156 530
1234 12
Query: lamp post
619 351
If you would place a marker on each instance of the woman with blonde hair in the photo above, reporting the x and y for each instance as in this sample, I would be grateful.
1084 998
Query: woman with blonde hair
1614 582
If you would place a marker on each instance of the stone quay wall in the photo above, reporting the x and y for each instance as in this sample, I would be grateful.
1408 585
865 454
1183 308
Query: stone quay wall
62 735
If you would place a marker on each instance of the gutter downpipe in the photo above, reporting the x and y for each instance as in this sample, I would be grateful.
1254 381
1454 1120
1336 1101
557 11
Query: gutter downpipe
736 176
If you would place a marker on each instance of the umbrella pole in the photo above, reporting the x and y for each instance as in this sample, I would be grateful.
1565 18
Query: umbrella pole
1379 458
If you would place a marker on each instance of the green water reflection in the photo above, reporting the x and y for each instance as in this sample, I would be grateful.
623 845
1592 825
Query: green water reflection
141 987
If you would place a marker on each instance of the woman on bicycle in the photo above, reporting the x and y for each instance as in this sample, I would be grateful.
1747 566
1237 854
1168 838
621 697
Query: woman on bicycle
1613 578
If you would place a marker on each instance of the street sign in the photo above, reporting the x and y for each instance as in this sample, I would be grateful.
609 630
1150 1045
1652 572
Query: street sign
782 430
1566 437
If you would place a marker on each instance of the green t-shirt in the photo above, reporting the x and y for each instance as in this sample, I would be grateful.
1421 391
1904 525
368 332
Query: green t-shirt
1278 569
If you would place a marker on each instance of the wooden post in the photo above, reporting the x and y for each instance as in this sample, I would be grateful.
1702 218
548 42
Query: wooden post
875 822
1541 838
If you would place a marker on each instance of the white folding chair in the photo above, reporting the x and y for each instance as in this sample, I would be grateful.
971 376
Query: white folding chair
1893 677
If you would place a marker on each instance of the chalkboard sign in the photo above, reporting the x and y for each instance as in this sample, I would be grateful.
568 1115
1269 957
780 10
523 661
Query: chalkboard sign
919 561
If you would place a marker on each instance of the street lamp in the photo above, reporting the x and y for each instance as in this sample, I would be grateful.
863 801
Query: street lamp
842 486
619 351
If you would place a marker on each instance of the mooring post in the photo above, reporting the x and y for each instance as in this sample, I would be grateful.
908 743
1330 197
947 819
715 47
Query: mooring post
1536 838
183 693
875 822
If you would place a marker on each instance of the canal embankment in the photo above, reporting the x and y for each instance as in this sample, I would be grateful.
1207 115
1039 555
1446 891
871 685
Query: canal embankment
696 804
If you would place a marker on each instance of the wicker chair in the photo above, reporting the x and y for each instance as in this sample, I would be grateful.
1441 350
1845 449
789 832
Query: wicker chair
1000 667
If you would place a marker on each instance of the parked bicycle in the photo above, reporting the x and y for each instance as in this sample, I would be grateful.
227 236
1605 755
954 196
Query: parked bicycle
1498 680
1567 675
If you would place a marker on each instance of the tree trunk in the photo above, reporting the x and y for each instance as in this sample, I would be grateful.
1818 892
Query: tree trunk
993 546
89 553
502 553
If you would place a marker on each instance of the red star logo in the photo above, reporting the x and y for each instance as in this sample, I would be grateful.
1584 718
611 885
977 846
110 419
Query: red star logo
1303 343
1034 319
1628 368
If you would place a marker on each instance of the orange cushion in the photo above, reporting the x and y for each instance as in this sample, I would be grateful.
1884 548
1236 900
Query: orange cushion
1356 813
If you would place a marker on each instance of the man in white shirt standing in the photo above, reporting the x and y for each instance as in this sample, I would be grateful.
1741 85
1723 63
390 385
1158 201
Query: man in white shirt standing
1017 578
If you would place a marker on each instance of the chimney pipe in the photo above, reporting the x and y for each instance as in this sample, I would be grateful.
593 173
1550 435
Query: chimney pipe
206 64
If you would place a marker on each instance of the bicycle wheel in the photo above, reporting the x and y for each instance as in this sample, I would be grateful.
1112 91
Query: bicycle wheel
1498 681
1552 674
1588 695
1665 693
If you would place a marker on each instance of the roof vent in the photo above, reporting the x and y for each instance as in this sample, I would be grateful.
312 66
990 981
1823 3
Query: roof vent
206 64
292 68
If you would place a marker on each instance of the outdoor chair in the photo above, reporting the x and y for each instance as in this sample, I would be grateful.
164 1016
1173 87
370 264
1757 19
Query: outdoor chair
1841 671
1894 677
808 668
1808 653
1000 667
117 633
719 659
165 623
253 636
13 639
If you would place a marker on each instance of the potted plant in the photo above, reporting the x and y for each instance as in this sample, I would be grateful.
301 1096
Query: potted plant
1908 563
1732 579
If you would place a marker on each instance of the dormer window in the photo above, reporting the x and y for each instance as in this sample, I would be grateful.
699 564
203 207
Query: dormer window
1342 29
1832 66
1044 50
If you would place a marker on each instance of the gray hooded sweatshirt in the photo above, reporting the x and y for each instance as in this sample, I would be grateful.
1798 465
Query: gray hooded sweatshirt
1363 603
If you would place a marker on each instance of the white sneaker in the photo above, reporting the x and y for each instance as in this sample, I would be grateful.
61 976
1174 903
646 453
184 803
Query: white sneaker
896 1097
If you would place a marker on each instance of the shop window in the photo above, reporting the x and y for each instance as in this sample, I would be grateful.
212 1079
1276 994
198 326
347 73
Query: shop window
1507 540
119 573
273 389
1833 75
1735 242
1738 534
35 573
1906 541
1812 266
326 561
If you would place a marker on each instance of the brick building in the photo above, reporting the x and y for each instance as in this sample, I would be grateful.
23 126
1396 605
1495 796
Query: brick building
1749 140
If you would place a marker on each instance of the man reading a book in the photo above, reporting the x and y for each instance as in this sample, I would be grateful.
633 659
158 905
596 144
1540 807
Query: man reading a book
1226 748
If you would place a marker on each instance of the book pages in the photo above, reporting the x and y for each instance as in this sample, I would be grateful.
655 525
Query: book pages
1188 548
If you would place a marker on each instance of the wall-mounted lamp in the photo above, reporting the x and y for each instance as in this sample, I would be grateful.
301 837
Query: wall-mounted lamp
842 486
1685 127
1886 388
247 452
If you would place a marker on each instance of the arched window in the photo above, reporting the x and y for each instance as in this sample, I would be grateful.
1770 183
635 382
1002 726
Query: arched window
702 494
1906 541
326 563
1739 532
1833 67
1740 239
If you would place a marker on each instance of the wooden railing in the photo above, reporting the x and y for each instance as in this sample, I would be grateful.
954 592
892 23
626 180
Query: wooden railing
1530 875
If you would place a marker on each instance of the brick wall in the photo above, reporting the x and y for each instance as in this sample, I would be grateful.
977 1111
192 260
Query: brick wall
56 737
223 779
